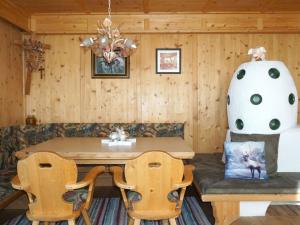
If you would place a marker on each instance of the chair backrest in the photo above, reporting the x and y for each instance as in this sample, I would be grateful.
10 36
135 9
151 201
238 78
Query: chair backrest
44 175
154 174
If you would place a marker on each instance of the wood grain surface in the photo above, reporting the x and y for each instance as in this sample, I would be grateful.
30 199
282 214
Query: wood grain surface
11 76
197 96
91 149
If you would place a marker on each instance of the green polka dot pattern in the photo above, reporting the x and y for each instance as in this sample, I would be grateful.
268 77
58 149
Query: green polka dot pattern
241 74
239 124
292 99
274 73
274 124
256 99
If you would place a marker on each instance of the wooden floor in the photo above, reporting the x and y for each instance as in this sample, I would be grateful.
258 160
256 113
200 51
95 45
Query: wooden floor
276 215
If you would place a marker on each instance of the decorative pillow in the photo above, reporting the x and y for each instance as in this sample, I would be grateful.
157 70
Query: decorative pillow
271 148
245 160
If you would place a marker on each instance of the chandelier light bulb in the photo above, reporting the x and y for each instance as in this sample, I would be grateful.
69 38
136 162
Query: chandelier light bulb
87 42
129 43
103 41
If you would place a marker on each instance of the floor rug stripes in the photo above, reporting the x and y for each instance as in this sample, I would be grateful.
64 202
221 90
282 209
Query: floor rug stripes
111 211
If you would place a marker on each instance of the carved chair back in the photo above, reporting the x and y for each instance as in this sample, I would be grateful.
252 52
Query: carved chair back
153 174
43 176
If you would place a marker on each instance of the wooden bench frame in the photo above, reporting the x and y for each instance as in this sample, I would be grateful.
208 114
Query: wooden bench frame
226 207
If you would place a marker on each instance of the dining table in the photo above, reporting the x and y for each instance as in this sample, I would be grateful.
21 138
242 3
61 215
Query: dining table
91 150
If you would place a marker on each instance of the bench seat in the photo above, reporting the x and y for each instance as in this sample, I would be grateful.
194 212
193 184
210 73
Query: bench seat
229 197
7 193
209 175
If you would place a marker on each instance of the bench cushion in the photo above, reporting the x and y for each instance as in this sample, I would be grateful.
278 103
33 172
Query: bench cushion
209 176
5 185
134 129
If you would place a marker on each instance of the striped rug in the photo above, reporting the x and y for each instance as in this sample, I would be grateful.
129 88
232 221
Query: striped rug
111 211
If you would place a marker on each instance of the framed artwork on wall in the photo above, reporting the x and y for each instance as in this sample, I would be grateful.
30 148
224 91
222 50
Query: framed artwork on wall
118 68
168 60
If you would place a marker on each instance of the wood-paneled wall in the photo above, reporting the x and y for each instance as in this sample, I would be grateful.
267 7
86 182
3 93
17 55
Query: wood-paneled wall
11 76
197 96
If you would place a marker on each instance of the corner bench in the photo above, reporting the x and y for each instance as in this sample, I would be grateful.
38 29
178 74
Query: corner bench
231 199
17 137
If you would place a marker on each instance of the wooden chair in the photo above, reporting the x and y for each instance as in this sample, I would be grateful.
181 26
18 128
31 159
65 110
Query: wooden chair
154 175
46 177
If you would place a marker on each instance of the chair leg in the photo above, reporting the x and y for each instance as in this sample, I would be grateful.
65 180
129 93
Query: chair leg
165 222
172 221
86 217
71 222
35 222
130 221
137 222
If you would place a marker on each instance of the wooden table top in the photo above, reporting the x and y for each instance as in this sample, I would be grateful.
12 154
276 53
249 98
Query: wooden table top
90 150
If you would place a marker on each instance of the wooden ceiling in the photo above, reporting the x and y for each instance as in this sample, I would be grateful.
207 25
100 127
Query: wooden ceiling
148 6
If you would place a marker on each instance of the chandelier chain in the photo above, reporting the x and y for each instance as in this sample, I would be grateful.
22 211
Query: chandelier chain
109 9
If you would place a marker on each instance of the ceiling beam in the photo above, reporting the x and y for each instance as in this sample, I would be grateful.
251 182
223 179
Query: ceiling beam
206 6
82 4
266 5
14 15
171 23
146 5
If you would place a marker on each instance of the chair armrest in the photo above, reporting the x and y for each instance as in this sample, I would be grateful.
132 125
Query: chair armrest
118 178
15 182
88 179
188 177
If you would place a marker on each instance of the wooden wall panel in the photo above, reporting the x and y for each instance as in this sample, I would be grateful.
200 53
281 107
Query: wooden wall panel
109 100
167 98
196 97
11 76
56 97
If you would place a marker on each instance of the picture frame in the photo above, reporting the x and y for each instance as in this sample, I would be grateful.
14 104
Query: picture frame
168 61
119 68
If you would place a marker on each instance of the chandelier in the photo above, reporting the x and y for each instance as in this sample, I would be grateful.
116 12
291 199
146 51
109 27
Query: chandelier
109 42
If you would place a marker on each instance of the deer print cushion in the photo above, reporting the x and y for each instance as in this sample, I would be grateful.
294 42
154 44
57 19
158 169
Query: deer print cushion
271 148
245 160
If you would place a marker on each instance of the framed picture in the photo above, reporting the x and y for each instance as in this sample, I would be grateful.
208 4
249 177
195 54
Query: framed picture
168 60
118 68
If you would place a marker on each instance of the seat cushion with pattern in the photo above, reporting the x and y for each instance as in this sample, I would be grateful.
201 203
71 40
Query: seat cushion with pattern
134 196
77 197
